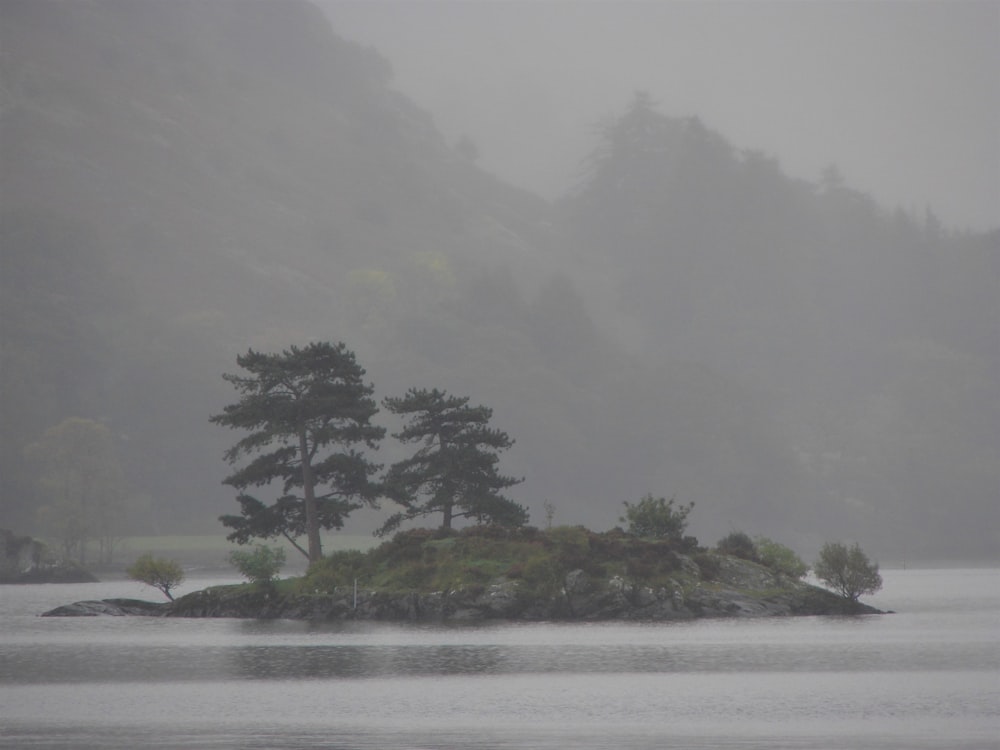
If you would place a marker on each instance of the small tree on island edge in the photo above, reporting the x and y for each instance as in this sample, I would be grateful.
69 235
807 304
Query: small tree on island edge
847 570
156 572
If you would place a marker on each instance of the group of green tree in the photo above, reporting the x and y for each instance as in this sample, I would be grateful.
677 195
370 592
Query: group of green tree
307 413
308 416
845 569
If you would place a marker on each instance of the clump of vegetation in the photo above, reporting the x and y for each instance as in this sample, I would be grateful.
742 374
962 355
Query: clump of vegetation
337 570
427 560
764 551
656 518
780 558
260 565
738 544
847 570
161 574
708 564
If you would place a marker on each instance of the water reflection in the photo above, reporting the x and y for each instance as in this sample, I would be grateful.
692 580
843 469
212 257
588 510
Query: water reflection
326 662
136 662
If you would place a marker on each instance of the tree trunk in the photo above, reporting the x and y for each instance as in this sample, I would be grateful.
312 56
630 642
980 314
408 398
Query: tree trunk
309 491
443 447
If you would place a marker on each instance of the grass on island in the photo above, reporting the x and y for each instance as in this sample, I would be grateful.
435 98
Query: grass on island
430 560
425 560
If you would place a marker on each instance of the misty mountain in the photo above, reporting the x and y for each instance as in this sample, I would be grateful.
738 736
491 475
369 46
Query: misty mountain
184 180
871 338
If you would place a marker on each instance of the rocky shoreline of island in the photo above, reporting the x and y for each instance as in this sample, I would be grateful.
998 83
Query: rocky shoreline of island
740 589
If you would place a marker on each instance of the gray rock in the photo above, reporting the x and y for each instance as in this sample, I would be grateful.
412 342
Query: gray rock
110 608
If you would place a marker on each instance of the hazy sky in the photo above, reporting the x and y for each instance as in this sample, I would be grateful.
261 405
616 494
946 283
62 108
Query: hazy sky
903 96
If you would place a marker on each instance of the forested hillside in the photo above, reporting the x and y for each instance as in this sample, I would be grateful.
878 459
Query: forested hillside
183 180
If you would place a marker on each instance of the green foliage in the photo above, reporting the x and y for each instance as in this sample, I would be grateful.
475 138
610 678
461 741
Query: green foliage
650 563
305 411
161 574
540 575
847 570
454 473
780 558
337 570
708 564
572 543
260 565
656 518
738 544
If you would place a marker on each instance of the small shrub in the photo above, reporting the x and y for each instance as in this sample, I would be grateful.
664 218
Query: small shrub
164 575
571 545
409 545
499 531
708 564
780 558
261 565
738 544
541 575
416 575
688 545
656 518
337 569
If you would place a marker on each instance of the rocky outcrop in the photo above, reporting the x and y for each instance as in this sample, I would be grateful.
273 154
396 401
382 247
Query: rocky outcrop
110 607
739 589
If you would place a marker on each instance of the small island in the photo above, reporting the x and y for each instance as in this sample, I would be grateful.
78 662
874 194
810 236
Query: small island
494 573
307 413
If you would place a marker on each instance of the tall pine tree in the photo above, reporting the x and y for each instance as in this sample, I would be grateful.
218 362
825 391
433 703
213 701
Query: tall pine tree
305 411
454 472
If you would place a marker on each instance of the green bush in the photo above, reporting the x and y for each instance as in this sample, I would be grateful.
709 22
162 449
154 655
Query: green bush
338 569
847 570
780 558
571 545
417 575
738 544
164 575
708 564
261 565
656 518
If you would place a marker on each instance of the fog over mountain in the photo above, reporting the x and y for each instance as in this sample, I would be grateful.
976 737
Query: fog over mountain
785 347
903 97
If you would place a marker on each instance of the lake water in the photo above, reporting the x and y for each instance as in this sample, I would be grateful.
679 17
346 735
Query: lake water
925 677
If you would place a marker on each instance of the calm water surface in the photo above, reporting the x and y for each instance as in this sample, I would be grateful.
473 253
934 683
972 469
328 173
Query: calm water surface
925 677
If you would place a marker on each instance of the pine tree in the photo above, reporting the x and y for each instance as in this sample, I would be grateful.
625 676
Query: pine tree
455 471
305 410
